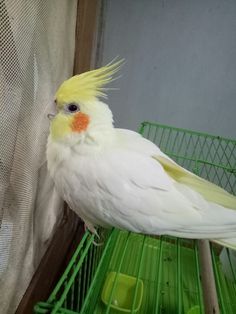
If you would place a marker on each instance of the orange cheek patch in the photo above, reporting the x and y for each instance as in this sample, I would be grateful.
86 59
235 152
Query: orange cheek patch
80 122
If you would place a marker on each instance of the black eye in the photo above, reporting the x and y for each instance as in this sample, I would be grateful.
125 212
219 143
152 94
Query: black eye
72 107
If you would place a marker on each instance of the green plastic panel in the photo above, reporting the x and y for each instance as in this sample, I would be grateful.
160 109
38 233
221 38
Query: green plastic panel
168 267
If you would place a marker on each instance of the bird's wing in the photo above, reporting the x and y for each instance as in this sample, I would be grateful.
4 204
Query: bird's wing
189 205
137 187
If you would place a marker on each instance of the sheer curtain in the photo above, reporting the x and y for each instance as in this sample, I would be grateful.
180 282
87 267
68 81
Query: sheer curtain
36 55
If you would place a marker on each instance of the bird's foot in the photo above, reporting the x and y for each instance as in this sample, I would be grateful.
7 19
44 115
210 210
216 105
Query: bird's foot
91 228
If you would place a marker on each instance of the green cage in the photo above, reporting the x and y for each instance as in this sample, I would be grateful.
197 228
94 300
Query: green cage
133 273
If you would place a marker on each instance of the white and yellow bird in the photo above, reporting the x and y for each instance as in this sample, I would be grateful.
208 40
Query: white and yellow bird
115 177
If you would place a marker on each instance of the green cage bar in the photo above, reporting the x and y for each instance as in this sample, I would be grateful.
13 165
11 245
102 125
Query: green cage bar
167 267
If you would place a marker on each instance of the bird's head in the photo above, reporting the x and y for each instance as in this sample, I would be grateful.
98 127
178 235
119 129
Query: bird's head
78 106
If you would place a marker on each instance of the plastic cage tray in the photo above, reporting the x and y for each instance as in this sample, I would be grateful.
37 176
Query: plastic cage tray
167 267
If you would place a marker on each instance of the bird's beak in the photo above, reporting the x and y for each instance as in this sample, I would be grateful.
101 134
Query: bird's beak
51 116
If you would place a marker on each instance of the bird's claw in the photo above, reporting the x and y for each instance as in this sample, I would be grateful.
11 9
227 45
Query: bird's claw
94 232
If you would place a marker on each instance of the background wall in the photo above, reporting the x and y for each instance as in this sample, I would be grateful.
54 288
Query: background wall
180 63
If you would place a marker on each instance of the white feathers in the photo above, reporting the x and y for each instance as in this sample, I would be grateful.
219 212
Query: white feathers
111 179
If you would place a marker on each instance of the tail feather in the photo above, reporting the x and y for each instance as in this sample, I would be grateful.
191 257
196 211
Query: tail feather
230 243
210 191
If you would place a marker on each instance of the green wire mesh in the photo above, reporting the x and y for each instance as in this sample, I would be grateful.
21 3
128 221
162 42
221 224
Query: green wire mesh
168 267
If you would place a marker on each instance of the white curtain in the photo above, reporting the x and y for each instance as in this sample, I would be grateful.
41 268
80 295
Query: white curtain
36 55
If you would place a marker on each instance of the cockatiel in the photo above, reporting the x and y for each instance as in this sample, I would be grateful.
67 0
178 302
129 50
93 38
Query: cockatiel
115 177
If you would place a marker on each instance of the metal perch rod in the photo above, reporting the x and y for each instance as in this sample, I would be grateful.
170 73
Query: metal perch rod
207 278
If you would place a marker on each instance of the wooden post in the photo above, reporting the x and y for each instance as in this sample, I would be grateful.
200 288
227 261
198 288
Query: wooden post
86 25
207 277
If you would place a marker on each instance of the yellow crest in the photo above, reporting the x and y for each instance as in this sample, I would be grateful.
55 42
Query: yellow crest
88 85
